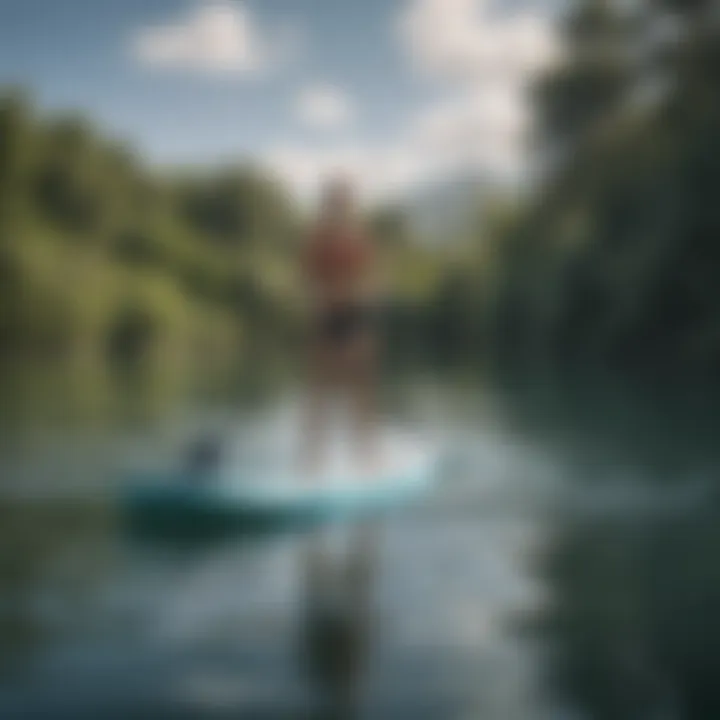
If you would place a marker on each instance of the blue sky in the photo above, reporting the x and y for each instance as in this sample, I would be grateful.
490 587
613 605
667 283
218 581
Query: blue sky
384 87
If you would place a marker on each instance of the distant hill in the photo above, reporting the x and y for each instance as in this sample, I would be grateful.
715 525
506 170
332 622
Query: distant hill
447 209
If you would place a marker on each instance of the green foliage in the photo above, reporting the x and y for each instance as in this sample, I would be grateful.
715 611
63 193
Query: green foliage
610 260
614 260
99 254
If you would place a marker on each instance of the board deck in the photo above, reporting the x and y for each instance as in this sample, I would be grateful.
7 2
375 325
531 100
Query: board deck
249 498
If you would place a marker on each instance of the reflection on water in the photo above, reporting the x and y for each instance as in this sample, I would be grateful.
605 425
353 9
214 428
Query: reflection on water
337 620
634 623
48 560
565 567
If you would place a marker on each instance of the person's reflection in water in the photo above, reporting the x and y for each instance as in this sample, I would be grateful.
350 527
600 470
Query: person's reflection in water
337 622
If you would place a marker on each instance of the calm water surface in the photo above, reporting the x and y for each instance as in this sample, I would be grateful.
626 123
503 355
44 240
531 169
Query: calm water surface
564 567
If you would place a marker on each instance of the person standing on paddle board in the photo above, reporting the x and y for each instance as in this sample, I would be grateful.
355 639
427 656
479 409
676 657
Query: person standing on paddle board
339 267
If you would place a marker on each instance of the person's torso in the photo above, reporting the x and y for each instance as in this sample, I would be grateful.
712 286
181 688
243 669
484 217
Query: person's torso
339 263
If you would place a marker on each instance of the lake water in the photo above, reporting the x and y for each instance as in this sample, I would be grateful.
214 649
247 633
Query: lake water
565 566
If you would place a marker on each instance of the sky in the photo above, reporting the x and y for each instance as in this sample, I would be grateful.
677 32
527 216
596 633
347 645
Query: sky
395 93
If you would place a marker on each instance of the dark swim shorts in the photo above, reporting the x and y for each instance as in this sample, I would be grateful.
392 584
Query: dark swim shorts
344 323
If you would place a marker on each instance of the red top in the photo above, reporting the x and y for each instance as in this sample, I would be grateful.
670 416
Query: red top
337 256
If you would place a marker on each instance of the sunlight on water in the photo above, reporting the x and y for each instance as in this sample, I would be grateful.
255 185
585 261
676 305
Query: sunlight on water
451 606
263 452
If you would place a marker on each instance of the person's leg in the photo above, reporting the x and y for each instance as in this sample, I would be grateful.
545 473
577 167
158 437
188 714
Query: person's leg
327 378
314 425
361 377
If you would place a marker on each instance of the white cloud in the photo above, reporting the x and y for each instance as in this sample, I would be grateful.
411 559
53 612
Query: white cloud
480 133
484 61
305 166
324 106
481 62
218 36
484 130
469 40
378 170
